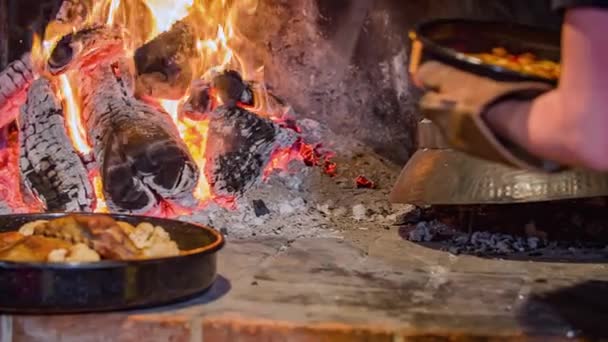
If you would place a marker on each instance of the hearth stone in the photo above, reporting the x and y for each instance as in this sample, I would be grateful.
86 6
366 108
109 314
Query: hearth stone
374 288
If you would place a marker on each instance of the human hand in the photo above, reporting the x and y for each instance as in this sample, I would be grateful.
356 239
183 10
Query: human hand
460 104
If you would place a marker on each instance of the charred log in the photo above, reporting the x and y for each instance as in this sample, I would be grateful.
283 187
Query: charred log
199 103
50 167
229 89
137 147
73 12
164 65
239 147
15 80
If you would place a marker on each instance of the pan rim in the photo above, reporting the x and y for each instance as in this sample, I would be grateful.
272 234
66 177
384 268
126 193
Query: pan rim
211 248
419 32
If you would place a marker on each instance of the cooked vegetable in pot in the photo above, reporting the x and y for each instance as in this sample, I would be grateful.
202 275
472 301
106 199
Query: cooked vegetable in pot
526 63
86 238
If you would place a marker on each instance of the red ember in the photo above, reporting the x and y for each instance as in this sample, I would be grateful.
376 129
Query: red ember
10 188
363 183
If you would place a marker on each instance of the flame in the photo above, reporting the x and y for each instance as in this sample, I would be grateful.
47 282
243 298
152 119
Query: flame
166 13
219 45
112 12
75 126
100 203
42 49
172 108
194 134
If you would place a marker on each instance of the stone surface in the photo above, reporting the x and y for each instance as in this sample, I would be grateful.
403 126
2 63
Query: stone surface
381 288
241 329
111 327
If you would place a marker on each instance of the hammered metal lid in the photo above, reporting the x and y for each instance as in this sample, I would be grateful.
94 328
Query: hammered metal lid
436 175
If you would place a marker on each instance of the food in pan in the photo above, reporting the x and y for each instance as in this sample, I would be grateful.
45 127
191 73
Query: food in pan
526 63
85 238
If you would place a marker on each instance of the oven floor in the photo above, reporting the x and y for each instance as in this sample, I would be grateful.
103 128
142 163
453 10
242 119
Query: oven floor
373 287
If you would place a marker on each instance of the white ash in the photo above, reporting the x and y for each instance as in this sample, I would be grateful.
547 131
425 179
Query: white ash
305 202
359 212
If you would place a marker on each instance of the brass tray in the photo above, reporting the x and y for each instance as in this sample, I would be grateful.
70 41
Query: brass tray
448 177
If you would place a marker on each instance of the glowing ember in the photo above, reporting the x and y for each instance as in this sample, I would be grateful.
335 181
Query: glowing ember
363 182
310 155
10 188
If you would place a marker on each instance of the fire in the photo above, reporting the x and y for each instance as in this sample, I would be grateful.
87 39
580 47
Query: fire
100 203
219 45
112 12
194 134
172 108
74 124
165 13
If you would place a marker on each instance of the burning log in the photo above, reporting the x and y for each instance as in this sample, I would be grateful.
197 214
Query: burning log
164 65
228 88
50 167
200 102
73 12
14 83
137 147
16 78
239 146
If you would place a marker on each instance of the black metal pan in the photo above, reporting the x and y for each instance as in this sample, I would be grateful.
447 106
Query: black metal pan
449 40
46 288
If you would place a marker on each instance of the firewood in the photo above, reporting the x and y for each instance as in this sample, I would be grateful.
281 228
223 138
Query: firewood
137 147
200 102
229 89
50 167
73 12
239 147
15 80
164 65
